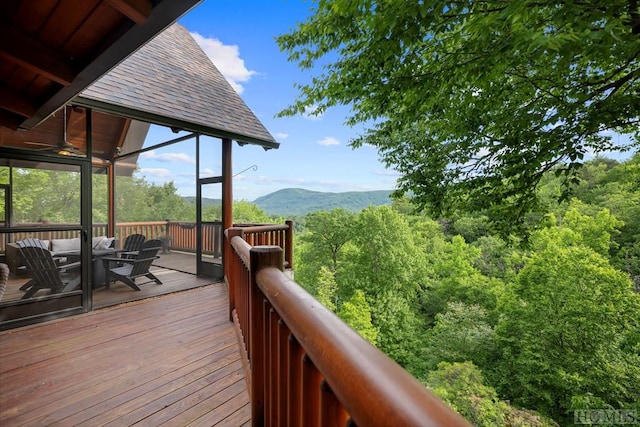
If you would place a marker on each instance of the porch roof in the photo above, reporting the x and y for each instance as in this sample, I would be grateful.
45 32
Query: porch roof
170 81
52 50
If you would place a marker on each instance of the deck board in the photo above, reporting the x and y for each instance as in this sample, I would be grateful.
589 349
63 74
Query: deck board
168 360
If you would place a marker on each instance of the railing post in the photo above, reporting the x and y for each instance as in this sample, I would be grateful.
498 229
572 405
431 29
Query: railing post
288 243
259 258
229 269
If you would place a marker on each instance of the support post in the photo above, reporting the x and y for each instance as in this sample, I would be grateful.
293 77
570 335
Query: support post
227 216
288 243
111 196
231 269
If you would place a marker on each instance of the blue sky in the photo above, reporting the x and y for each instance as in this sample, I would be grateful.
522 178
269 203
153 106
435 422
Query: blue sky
239 37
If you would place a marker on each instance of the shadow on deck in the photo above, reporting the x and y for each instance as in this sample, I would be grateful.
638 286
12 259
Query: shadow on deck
172 360
176 270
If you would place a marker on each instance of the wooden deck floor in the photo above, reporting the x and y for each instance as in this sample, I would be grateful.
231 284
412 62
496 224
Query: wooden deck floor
171 360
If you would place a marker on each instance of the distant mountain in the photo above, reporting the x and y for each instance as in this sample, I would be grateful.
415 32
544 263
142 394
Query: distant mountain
297 201
205 201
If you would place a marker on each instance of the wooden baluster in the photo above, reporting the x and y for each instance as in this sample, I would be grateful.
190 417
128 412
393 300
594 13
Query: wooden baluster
288 243
294 378
311 380
274 365
283 359
259 358
332 413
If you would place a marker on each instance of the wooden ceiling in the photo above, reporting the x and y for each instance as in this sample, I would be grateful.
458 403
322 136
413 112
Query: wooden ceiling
51 50
108 134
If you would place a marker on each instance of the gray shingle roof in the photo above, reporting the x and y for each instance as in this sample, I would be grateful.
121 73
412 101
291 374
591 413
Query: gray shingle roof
171 81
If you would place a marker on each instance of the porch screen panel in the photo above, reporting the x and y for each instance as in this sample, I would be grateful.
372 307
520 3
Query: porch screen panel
40 241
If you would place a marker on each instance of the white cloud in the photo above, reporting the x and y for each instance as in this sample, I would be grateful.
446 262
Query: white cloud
311 112
156 172
169 157
281 135
227 59
329 140
387 172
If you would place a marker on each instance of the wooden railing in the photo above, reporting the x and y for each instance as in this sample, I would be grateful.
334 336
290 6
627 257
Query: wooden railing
304 365
182 234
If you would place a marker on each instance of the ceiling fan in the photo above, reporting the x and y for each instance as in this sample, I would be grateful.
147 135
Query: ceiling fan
64 147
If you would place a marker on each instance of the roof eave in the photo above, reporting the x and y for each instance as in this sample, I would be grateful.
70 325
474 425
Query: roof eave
163 14
158 119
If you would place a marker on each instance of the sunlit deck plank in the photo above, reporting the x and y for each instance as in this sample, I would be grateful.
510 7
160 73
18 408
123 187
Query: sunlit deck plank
168 359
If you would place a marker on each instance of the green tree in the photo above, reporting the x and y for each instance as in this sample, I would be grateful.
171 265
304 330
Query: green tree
400 330
473 101
165 203
568 328
245 212
496 257
323 244
454 277
596 231
326 291
471 228
131 200
461 333
387 257
331 230
357 314
33 200
461 385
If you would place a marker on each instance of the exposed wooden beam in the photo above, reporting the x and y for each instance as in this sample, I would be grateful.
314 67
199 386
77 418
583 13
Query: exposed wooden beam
33 55
15 102
136 10
123 134
9 120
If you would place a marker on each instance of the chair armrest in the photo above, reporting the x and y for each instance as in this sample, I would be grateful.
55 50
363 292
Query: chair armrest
135 261
112 259
64 267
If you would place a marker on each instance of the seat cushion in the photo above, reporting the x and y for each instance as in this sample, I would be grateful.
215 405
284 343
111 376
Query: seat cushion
105 243
65 245
96 242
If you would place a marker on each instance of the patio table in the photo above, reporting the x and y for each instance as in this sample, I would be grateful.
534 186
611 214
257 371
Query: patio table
98 273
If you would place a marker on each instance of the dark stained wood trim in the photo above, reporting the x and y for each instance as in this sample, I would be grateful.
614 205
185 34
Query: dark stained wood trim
145 116
34 56
136 10
16 102
164 13
9 120
123 134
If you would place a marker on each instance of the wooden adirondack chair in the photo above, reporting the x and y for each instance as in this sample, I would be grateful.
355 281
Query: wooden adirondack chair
134 267
45 273
132 244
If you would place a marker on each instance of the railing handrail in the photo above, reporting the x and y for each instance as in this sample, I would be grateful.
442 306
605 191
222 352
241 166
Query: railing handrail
305 364
263 228
266 234
242 248
373 388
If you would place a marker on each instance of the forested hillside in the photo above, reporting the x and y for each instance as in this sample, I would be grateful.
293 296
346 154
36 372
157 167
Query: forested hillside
509 330
297 201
